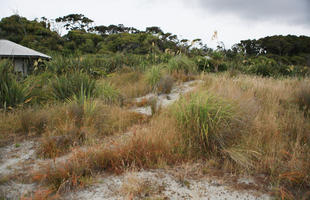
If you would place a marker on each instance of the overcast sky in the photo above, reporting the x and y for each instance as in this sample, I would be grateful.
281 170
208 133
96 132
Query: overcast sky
234 20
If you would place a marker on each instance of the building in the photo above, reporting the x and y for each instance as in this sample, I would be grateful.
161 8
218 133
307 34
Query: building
22 57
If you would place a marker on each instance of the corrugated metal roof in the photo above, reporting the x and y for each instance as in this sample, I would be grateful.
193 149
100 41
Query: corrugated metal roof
11 49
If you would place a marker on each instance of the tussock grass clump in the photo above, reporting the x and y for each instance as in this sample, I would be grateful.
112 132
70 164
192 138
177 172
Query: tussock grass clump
12 93
130 84
109 94
165 84
182 63
303 97
137 187
154 75
33 121
52 146
204 122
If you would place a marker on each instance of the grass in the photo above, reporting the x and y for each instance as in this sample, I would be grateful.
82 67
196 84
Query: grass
182 64
77 84
204 121
165 84
154 75
243 130
129 83
240 124
303 97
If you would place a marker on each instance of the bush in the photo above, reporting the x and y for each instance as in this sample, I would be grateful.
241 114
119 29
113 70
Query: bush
204 122
12 92
78 84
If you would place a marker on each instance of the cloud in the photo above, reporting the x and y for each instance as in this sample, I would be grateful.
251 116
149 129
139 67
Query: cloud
279 11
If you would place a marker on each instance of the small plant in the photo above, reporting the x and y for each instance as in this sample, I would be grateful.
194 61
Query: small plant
134 186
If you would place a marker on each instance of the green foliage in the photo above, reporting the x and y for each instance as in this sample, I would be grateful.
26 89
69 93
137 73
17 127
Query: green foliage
153 75
109 94
204 122
77 84
182 63
32 34
38 87
12 93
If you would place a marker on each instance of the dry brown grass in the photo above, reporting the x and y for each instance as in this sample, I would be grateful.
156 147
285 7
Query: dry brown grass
136 187
82 124
145 149
273 133
273 138
130 84
276 141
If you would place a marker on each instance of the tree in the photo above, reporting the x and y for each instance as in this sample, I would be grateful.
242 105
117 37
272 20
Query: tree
154 30
32 34
75 22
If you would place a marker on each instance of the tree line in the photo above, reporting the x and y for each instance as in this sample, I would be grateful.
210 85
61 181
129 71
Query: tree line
83 37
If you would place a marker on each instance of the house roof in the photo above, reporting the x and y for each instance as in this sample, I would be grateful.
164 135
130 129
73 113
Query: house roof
11 49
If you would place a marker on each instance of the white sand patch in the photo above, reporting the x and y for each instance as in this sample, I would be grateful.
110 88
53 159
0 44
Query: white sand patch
13 156
13 190
168 187
164 100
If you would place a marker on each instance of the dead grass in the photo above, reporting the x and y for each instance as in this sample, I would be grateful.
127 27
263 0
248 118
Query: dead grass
130 84
165 84
146 149
273 139
136 187
272 131
303 97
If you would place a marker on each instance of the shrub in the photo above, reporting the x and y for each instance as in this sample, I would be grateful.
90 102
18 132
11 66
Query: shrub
12 92
204 122
66 86
182 63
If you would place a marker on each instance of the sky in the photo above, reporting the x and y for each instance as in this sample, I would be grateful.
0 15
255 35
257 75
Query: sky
234 20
